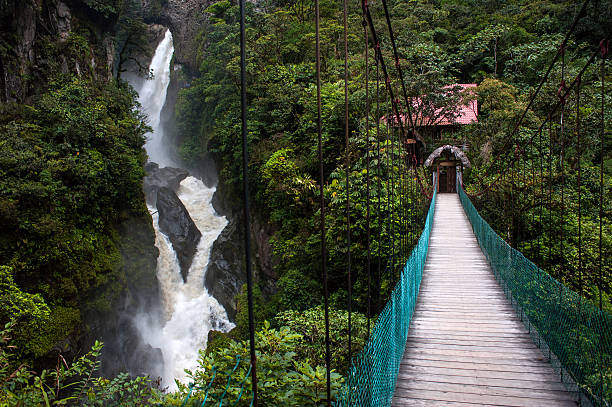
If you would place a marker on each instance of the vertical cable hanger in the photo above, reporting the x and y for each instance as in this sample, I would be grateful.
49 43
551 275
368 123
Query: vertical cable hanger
561 93
579 152
322 204
367 132
541 234
387 191
604 47
550 191
348 195
392 203
245 191
379 176
533 198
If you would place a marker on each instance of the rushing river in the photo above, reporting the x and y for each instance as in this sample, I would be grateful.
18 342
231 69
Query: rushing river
189 312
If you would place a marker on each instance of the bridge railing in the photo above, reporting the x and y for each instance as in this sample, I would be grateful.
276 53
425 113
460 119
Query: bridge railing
573 333
371 379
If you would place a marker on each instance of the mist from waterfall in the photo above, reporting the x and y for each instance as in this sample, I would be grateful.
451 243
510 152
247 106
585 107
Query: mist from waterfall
189 312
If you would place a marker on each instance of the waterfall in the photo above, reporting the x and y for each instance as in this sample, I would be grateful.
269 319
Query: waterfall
152 96
189 311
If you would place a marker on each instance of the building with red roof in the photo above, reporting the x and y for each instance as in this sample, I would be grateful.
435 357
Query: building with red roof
438 115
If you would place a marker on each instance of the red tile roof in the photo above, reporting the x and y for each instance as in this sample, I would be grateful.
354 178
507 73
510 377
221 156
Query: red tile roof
466 114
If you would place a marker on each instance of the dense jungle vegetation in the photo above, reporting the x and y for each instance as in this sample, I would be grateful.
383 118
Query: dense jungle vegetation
71 163
504 47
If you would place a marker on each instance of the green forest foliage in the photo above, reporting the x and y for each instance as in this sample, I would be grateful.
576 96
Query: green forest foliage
71 169
68 384
290 361
503 46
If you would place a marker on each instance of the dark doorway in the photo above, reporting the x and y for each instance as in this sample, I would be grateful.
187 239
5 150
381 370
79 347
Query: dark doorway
448 179
451 180
442 183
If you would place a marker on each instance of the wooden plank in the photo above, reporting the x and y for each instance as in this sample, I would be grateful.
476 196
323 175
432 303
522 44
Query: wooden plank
446 396
449 338
528 363
482 347
510 353
466 346
488 381
410 372
412 402
486 390
473 365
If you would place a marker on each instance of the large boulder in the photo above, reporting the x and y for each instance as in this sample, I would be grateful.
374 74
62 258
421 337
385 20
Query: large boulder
175 222
156 178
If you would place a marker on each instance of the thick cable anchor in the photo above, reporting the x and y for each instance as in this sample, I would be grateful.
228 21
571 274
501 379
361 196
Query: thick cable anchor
561 92
604 46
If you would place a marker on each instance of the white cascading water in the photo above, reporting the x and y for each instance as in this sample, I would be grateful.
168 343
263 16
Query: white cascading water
152 96
190 312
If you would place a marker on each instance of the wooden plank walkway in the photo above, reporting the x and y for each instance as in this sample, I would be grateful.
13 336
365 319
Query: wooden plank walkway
466 347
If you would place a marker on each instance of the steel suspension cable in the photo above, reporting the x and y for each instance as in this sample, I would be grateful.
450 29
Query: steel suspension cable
322 204
245 191
579 151
562 95
562 165
394 101
383 66
348 195
559 53
379 176
604 48
367 132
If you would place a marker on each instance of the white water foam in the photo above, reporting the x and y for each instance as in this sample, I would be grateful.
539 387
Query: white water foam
152 96
190 312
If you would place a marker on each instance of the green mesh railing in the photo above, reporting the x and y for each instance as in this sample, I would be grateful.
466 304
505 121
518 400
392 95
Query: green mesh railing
371 379
573 333
198 396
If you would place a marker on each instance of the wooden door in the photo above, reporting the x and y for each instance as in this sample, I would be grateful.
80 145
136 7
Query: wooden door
443 182
451 180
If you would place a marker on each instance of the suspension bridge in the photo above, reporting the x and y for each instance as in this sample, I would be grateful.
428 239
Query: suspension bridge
471 320
465 343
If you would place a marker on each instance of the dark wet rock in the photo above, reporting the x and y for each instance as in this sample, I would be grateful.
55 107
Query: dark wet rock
157 178
175 222
225 275
137 356
184 17
115 327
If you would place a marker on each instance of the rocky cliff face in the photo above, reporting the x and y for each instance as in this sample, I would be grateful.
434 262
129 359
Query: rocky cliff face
124 347
226 271
32 37
184 18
